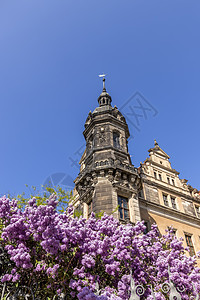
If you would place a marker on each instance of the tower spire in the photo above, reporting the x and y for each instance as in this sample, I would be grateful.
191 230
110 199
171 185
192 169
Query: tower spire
104 88
103 76
155 142
104 98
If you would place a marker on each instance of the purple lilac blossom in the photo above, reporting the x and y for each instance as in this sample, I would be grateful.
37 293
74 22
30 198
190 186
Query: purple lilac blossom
72 254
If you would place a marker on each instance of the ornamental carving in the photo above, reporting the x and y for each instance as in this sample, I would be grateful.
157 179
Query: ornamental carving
117 175
123 180
102 138
94 178
89 119
117 114
110 175
86 184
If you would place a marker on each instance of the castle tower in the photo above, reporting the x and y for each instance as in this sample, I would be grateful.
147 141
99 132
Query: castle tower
107 177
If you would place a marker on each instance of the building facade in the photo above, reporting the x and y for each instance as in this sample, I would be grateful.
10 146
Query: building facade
109 182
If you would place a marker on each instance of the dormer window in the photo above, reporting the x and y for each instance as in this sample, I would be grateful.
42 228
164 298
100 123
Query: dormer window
116 143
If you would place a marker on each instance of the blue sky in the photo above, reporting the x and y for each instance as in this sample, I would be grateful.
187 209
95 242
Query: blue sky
50 56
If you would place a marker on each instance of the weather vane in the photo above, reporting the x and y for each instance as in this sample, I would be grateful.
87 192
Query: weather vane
103 76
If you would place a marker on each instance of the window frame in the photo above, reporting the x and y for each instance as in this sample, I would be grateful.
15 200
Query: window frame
116 143
188 239
174 204
197 209
148 226
165 200
122 209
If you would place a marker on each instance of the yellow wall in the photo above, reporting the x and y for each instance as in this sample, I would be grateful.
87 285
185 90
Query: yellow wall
163 223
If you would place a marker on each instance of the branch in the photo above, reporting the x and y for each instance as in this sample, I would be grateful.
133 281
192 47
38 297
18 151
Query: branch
3 291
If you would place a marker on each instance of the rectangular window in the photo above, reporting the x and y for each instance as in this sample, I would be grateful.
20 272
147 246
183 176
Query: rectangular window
168 180
173 182
197 210
155 175
166 203
173 201
189 243
160 176
116 138
123 208
146 223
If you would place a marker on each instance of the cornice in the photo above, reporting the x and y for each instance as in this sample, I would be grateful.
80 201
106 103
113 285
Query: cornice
161 154
124 189
130 170
86 197
168 188
170 213
161 166
106 147
106 117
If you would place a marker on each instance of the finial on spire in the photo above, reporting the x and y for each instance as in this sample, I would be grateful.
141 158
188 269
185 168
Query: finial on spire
104 99
103 76
155 143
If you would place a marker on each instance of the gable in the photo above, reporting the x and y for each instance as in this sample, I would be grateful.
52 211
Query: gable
159 152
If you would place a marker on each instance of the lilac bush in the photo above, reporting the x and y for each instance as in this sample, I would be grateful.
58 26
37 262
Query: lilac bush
57 254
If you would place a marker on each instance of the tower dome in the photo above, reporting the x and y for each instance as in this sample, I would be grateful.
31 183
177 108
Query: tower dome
104 98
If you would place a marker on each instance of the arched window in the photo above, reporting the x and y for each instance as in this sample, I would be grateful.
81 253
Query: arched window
116 143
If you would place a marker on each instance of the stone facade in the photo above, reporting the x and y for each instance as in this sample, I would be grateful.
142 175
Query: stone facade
106 171
167 200
109 182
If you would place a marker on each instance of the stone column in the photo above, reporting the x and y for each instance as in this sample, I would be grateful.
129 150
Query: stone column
134 209
115 203
85 210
